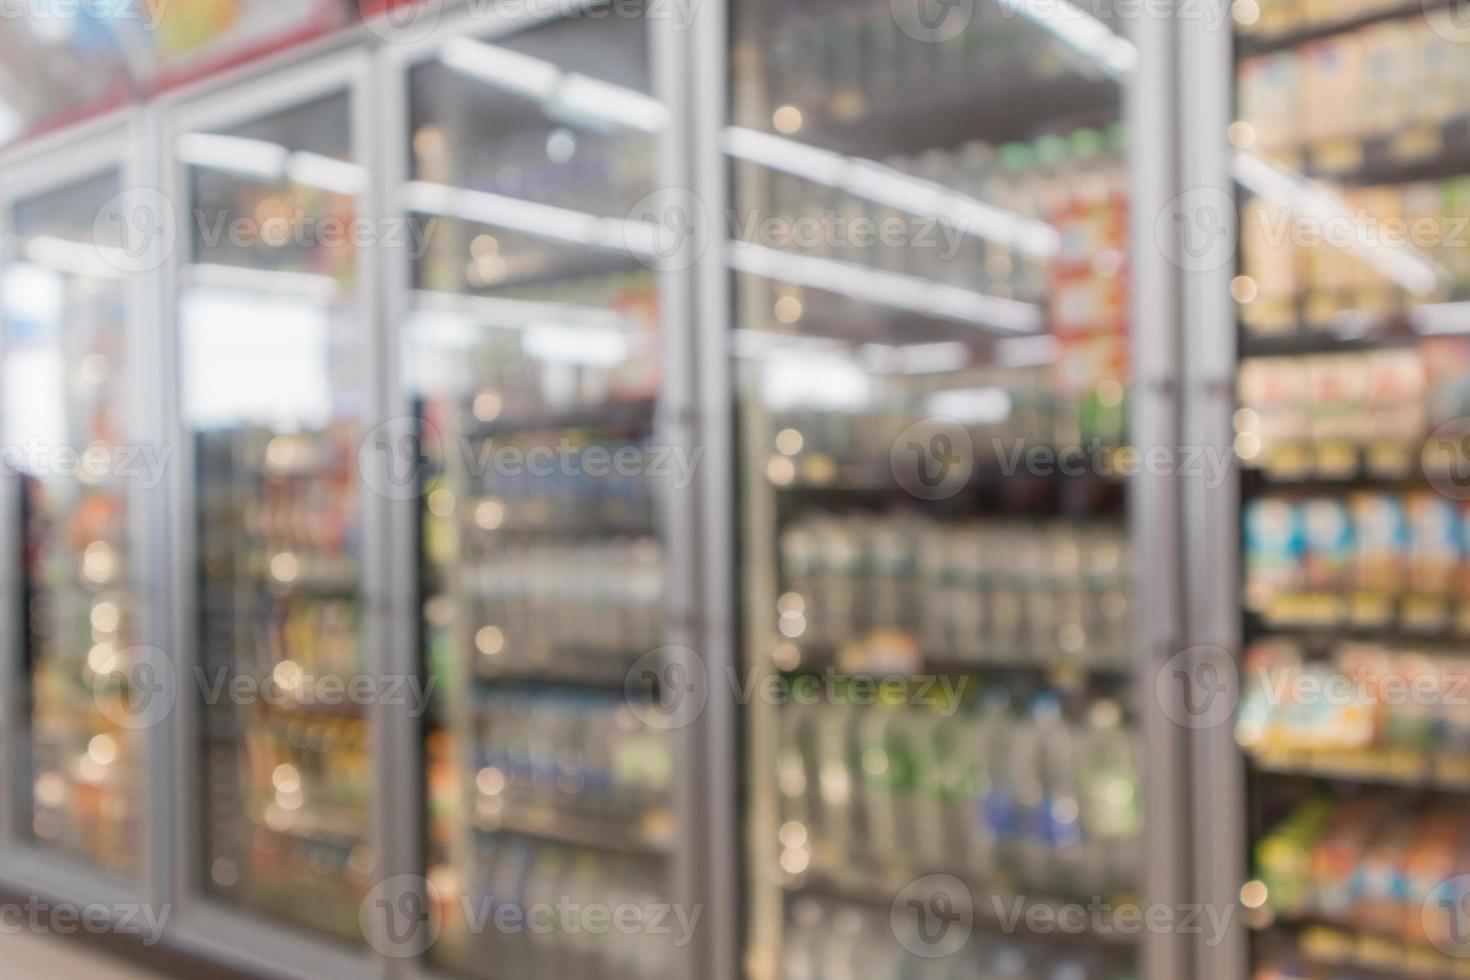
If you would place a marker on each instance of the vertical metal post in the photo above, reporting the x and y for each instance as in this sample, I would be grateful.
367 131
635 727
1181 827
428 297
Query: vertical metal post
709 52
1211 513
1148 110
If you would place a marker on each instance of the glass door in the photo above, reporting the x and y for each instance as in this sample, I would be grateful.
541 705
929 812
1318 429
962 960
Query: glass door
71 441
533 349
1351 430
934 329
273 349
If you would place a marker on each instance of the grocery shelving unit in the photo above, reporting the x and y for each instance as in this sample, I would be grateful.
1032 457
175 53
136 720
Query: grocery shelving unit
414 126
1272 600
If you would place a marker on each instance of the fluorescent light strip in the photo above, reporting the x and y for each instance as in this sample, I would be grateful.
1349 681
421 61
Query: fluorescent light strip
560 93
253 158
1441 319
1080 31
76 258
493 311
884 185
541 220
297 285
1405 265
901 292
327 173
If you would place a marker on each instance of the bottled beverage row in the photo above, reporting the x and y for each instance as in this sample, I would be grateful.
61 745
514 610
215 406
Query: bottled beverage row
1327 559
579 169
545 910
551 756
1270 18
545 603
1365 708
542 370
281 511
844 62
289 805
1072 187
1041 796
1338 415
274 226
1008 418
827 939
974 591
1337 92
1373 863
1303 270
596 484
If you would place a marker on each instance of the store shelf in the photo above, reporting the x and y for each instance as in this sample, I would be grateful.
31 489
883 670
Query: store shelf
560 827
1407 769
993 907
1250 45
1368 953
619 417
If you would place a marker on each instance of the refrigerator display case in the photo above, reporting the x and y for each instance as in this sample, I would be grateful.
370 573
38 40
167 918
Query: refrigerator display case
274 358
1350 430
952 350
79 473
540 354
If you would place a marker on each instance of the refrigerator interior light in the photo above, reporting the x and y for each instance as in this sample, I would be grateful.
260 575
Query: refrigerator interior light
253 358
1017 352
973 406
34 398
326 173
1401 263
1441 319
935 358
810 378
567 96
300 287
1080 31
235 154
894 290
517 314
558 343
541 220
76 258
32 293
880 184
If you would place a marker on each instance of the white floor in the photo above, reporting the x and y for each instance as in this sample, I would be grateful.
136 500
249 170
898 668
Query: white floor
59 958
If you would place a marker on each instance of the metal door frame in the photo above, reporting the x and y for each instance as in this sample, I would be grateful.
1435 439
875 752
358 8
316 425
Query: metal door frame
682 525
211 927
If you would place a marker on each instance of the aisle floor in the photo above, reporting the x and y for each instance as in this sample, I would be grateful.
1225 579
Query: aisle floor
57 958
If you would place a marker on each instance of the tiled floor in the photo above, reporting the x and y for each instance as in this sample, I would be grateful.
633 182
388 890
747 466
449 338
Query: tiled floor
58 958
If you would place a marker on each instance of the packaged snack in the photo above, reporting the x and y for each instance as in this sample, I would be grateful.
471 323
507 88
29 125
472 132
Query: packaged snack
1383 541
1435 541
1328 550
1273 551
